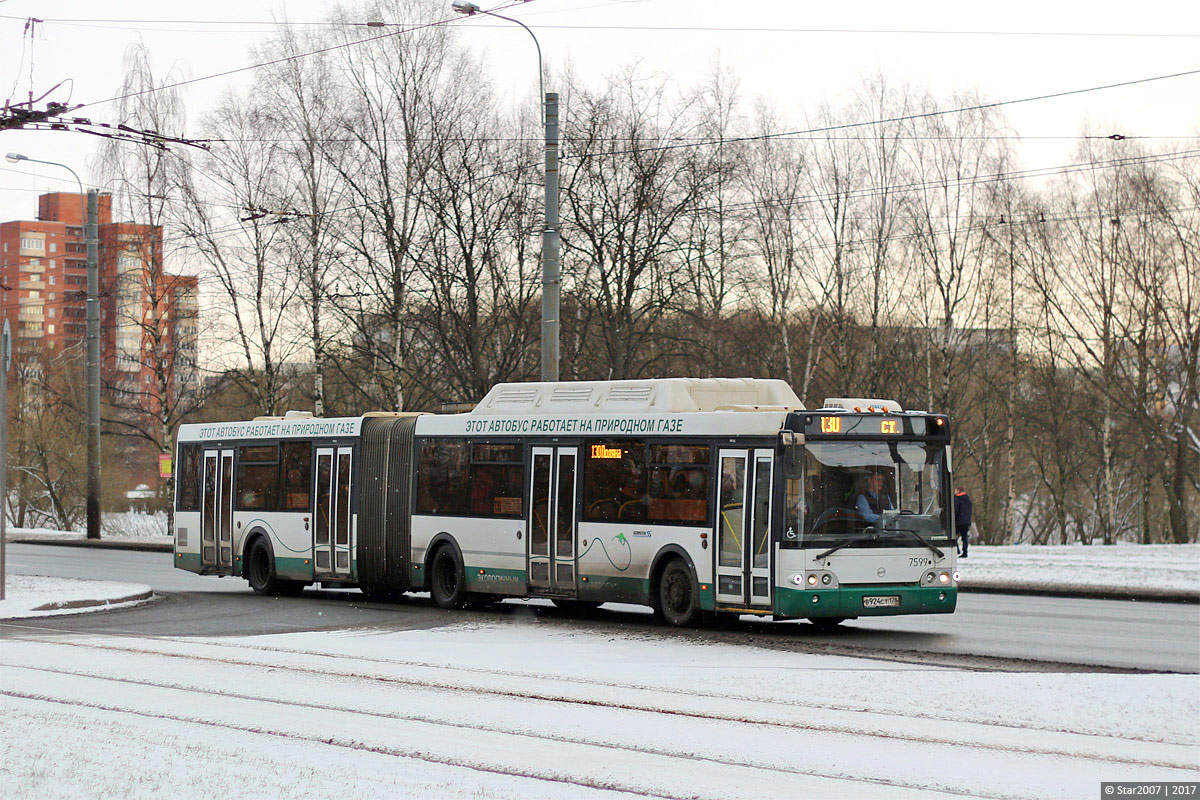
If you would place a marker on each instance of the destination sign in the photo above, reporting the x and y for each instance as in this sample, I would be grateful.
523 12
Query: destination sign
882 425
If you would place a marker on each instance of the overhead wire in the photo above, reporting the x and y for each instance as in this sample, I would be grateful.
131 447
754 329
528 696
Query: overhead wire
891 120
284 59
139 24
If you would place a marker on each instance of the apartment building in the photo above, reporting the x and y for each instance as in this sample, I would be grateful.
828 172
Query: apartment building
148 318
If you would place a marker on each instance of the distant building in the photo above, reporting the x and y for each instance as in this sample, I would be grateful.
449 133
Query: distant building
147 316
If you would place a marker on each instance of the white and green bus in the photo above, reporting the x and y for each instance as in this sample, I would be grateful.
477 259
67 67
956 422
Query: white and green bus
690 496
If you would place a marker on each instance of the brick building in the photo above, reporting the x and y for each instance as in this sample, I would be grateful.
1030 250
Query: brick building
147 316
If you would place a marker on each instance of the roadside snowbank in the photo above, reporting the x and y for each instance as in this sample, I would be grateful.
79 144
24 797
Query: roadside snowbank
116 526
40 596
1158 566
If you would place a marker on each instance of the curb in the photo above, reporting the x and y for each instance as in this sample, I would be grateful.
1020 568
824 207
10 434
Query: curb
112 601
102 544
1083 591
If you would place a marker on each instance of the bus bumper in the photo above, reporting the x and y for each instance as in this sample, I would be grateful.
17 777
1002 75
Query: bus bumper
848 601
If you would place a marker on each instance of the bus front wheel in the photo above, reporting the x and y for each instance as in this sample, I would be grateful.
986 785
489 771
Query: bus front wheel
826 624
447 582
678 595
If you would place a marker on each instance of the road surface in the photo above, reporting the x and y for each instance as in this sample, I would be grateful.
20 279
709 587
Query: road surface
1010 632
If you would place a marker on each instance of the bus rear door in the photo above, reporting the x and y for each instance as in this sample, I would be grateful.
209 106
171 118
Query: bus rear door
216 526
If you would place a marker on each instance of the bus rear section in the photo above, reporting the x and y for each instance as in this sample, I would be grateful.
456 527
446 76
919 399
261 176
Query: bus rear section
286 502
868 526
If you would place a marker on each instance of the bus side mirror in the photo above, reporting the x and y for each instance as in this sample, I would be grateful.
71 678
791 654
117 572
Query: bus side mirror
793 462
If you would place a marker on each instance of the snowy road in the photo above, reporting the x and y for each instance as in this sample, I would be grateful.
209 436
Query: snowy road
1098 633
491 709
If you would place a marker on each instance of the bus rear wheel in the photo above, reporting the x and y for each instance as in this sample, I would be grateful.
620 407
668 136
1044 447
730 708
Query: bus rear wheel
678 595
447 582
260 569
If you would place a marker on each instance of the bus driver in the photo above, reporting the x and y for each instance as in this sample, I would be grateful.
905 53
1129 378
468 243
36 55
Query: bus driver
872 502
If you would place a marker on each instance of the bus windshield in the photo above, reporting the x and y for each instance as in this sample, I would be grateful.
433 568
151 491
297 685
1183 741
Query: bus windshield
848 489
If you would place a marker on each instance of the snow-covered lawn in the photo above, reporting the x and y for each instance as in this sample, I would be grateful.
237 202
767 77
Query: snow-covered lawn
1166 566
511 709
115 526
39 596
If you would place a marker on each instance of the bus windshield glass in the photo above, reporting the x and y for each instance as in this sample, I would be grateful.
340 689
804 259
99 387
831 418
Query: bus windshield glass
878 492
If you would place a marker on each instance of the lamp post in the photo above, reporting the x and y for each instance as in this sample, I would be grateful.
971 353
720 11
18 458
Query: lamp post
89 212
551 284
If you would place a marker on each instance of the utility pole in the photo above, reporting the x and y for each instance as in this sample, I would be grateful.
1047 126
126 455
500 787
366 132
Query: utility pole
551 283
90 218
93 365
5 360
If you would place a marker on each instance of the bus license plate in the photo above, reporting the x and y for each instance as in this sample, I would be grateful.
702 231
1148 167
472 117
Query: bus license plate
884 601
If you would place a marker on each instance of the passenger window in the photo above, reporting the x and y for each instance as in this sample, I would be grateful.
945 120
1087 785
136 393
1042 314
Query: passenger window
297 475
187 472
614 483
497 480
258 478
442 476
678 484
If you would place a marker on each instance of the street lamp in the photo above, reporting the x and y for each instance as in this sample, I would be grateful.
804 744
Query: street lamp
551 285
88 212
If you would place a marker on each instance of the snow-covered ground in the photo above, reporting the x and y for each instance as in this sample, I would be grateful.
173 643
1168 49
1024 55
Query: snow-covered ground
1165 566
497 709
38 596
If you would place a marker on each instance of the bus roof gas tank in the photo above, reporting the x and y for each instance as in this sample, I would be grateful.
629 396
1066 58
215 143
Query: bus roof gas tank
663 395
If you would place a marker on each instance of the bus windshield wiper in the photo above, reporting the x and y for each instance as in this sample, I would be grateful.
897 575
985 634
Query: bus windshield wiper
920 539
868 537
875 535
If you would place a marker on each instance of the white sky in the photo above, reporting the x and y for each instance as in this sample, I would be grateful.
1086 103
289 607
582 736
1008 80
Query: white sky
792 64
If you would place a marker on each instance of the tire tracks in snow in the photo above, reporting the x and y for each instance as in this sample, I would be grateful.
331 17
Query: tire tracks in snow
1085 746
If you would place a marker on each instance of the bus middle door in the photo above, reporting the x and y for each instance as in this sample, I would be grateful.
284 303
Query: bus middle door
331 535
550 558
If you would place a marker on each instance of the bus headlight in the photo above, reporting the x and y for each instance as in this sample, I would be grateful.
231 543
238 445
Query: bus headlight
957 576
812 580
943 577
798 580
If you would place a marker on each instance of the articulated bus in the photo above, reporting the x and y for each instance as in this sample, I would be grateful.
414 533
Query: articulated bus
691 496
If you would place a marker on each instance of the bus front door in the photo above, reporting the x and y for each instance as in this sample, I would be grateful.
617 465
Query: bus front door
550 557
216 528
331 534
743 552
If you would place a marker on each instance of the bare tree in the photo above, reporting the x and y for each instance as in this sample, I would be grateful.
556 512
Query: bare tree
228 222
481 299
628 186
300 95
392 91
154 312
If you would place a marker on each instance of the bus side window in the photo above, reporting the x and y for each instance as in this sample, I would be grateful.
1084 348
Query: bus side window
442 477
497 480
258 478
678 485
297 476
188 474
614 482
